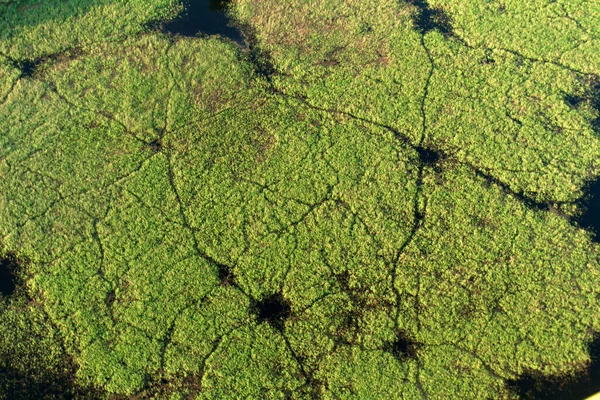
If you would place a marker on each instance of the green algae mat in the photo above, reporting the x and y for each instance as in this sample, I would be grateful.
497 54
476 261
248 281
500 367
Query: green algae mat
370 200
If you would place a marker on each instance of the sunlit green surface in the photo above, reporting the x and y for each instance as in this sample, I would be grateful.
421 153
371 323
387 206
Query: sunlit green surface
135 171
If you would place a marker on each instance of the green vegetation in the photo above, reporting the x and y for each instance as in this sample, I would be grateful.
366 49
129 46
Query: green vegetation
35 29
388 214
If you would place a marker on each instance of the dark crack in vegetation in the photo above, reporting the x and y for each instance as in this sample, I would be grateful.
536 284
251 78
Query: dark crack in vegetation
526 200
259 58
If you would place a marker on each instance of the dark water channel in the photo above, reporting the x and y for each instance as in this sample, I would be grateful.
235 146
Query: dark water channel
206 17
8 282
590 220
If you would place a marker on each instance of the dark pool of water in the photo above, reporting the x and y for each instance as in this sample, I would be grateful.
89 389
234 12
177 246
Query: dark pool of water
8 282
204 17
28 68
403 348
577 387
428 156
427 19
590 219
274 310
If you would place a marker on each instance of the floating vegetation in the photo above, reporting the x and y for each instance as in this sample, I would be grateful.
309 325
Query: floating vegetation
372 198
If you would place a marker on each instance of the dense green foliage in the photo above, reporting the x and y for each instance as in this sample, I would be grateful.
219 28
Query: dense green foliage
36 29
386 215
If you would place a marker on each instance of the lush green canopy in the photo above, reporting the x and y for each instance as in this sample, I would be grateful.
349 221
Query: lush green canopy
375 201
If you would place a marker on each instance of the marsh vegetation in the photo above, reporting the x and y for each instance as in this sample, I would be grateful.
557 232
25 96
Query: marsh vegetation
373 199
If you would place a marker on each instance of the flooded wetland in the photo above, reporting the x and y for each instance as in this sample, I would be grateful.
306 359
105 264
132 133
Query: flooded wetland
302 199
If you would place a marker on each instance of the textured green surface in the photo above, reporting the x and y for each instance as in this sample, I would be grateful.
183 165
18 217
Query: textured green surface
159 188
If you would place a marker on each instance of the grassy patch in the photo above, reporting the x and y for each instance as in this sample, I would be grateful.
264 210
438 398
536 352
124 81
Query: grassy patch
391 210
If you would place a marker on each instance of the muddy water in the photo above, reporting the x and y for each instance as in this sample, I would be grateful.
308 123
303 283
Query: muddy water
206 17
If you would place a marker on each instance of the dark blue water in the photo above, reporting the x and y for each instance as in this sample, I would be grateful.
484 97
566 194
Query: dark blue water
205 17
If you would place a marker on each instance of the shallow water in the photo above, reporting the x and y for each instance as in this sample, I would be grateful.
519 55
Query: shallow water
205 17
